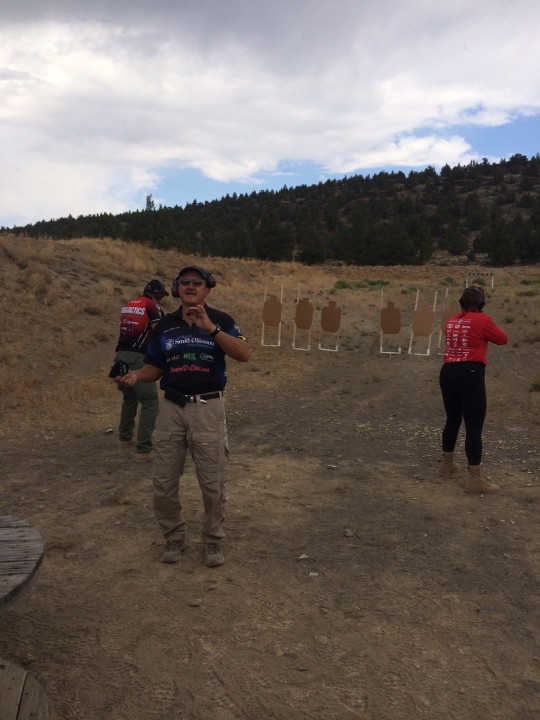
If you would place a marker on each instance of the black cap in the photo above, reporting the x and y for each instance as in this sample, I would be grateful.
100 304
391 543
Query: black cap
155 287
206 276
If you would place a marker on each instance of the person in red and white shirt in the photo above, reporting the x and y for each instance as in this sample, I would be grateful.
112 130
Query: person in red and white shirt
137 321
462 383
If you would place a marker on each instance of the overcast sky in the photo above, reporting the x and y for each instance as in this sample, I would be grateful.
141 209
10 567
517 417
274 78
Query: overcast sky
107 101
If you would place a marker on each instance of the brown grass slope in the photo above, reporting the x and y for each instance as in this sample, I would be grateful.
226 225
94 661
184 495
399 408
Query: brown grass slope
61 303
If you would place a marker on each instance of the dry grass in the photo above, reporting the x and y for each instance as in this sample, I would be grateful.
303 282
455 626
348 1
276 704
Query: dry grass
63 298
332 457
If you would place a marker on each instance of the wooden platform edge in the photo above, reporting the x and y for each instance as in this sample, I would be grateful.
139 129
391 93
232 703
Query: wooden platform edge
22 551
21 696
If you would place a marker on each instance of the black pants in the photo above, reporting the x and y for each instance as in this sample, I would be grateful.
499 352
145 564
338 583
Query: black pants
463 390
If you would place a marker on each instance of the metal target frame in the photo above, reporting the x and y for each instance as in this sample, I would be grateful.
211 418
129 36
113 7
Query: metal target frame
295 347
323 332
434 308
480 275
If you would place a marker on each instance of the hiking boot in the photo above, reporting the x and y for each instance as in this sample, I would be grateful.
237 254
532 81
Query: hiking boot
124 444
144 456
213 555
172 552
447 466
477 483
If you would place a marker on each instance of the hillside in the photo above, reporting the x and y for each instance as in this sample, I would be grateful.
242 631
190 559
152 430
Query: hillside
357 584
485 211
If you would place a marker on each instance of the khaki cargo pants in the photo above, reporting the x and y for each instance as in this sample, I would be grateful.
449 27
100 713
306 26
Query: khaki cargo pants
201 428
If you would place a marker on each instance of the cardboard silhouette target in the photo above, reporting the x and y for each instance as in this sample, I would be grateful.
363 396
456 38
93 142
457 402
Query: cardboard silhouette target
303 320
422 325
330 324
271 317
390 324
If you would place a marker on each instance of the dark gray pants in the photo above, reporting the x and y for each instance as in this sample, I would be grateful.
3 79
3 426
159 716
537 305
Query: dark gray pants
143 394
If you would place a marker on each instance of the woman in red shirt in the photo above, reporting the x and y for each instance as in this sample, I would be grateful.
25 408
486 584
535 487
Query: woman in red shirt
462 382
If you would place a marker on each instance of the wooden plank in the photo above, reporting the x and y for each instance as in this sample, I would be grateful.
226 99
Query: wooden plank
14 566
21 556
12 679
13 538
20 551
13 554
9 582
33 702
21 696
8 532
8 521
12 589
26 544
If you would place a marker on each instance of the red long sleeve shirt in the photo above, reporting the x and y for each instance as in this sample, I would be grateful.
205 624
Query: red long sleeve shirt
467 336
137 321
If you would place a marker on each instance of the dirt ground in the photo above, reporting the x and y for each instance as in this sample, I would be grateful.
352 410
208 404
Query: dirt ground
356 583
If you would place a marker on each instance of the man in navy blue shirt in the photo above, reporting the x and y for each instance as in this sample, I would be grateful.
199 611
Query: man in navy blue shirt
187 354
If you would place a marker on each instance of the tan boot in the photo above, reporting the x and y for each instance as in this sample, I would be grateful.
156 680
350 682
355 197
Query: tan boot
477 483
447 466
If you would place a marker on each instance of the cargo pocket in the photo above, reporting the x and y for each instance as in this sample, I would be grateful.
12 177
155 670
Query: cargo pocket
205 448
162 444
161 436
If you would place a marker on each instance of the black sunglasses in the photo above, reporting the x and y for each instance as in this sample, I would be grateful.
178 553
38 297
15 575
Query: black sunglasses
196 283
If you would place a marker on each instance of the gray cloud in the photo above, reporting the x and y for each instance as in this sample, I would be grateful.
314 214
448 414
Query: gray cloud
100 97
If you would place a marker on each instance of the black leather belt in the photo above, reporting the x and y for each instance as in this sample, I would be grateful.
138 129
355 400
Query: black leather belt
180 399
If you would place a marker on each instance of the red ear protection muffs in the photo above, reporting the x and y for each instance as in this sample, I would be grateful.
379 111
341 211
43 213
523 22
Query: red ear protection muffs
206 276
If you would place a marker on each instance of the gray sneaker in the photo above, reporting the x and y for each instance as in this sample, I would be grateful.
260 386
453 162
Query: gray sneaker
172 552
213 555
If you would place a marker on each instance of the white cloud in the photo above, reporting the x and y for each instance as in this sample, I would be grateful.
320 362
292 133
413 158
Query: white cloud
99 97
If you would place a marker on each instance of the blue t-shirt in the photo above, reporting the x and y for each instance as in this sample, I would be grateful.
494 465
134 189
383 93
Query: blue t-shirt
192 361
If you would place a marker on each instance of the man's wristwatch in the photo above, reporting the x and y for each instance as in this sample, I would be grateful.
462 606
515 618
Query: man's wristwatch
215 332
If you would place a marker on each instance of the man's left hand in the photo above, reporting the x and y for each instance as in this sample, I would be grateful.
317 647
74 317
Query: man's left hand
198 315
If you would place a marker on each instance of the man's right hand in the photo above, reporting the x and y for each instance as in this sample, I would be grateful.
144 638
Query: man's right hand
128 380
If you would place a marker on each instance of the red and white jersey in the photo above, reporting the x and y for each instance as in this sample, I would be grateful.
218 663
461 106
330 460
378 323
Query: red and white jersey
467 335
137 320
